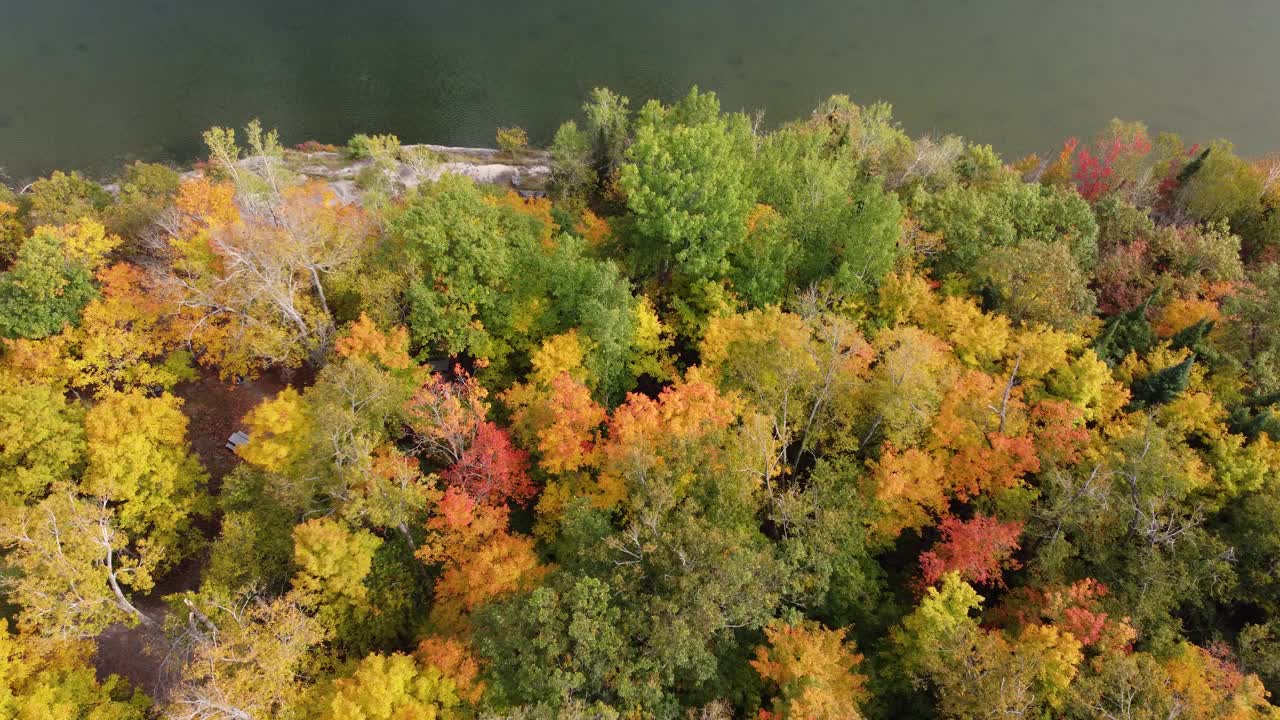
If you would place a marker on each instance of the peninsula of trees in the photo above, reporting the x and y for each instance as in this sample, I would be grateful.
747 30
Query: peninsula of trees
694 420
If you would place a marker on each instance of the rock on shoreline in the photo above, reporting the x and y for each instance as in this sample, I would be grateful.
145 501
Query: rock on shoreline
530 171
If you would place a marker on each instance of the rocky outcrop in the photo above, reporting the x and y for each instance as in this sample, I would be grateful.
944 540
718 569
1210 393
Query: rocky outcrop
422 163
417 164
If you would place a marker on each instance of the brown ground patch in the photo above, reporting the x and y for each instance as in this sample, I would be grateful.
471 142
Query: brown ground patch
215 409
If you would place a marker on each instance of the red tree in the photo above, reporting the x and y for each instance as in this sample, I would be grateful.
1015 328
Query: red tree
979 549
492 470
1096 174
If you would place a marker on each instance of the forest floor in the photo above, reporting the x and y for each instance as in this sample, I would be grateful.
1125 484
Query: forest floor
214 409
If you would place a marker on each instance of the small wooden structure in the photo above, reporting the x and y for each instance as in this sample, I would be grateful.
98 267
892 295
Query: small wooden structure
237 439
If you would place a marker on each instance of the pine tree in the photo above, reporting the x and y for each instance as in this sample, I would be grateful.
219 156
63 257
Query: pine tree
1162 386
1128 331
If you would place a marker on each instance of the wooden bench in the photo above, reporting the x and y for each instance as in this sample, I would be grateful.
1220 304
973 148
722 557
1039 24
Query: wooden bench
237 439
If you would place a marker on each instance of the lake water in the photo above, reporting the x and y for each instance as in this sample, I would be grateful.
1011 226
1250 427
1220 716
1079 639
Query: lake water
92 83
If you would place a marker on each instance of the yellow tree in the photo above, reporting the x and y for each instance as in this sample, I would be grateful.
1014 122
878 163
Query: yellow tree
248 271
332 565
73 566
245 659
789 366
139 461
813 669
53 680
122 338
41 438
391 687
978 673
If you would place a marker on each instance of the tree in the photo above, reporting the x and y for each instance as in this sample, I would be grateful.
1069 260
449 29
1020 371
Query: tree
761 266
139 461
1211 686
445 414
249 279
572 174
277 427
12 231
911 487
55 680
62 198
73 565
245 658
975 219
1121 152
479 558
512 140
456 662
1038 282
813 671
663 439
41 439
322 443
146 191
560 641
607 124
844 225
789 366
978 673
1251 338
466 262
122 340
560 420
491 469
44 290
332 565
685 186
393 493
978 549
391 687
1161 386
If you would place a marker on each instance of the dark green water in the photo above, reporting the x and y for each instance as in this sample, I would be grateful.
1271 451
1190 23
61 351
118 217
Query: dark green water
92 83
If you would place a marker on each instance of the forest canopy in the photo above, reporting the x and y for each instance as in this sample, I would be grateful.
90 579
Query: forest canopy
817 422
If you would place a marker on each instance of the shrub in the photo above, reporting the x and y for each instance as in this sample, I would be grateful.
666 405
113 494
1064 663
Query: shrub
373 146
512 140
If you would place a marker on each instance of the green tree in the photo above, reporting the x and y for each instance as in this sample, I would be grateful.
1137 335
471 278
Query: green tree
44 291
845 225
560 641
1163 385
685 182
1038 282
608 121
572 175
146 190
466 266
972 220
61 198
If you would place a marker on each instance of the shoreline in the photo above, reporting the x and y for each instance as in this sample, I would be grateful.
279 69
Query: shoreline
530 171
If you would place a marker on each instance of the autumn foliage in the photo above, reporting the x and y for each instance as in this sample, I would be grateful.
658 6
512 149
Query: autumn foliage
661 444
